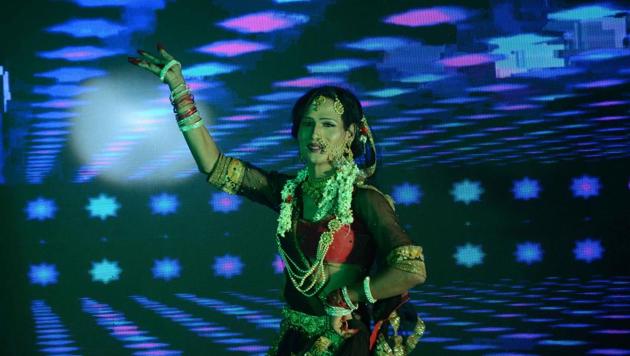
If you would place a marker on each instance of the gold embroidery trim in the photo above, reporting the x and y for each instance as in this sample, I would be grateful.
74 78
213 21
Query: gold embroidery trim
227 174
408 258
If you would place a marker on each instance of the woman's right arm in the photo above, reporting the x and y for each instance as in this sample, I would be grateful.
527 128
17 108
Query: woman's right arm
226 173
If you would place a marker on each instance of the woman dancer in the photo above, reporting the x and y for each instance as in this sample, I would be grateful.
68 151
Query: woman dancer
347 260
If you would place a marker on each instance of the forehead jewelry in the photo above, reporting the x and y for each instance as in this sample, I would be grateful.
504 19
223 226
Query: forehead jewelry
337 105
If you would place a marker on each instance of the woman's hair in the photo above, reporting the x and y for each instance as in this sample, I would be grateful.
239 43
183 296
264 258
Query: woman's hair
352 114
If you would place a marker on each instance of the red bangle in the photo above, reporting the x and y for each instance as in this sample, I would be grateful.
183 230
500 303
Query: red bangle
187 113
182 98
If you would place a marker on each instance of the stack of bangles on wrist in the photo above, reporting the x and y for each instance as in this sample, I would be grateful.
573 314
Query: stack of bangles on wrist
188 117
338 303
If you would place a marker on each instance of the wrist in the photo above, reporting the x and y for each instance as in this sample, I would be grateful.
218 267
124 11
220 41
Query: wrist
174 80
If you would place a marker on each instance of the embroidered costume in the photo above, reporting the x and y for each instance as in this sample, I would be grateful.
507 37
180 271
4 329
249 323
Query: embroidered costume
374 236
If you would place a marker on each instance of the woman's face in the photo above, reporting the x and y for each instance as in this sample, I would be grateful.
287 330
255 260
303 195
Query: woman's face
321 132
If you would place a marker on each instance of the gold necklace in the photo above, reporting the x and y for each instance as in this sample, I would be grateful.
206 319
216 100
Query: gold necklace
314 187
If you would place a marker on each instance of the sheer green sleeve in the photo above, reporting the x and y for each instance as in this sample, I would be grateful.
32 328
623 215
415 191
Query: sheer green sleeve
235 176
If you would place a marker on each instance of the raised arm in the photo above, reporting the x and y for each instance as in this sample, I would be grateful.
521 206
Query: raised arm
226 173
203 148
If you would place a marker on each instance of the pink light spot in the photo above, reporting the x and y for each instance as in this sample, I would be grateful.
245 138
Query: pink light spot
466 60
306 82
263 22
232 48
78 54
241 118
427 17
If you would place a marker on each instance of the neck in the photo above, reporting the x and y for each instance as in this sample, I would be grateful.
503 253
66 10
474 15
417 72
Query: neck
320 171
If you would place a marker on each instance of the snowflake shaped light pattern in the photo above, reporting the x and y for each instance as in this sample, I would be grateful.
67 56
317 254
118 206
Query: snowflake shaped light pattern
469 255
166 269
164 204
40 209
224 202
105 271
526 189
407 194
102 206
467 191
43 274
528 252
588 250
227 266
278 264
585 186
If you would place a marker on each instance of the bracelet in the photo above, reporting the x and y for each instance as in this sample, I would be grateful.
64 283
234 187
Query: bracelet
185 121
174 96
192 126
167 67
366 289
337 311
346 298
174 90
186 114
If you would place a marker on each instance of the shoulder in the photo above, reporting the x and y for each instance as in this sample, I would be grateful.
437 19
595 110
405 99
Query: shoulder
366 194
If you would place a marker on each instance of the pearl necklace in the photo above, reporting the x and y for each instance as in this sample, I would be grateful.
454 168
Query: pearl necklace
338 194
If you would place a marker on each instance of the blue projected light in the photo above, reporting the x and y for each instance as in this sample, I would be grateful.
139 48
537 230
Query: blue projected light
43 274
407 194
467 191
40 209
278 264
380 43
337 65
389 92
166 269
100 28
208 69
227 266
224 203
526 189
582 13
102 206
588 250
72 75
164 204
82 53
105 271
528 252
469 255
585 186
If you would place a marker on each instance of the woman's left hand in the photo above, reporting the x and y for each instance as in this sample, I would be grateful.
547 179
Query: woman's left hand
340 325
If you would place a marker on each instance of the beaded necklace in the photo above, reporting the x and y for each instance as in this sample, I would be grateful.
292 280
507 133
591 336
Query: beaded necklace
337 194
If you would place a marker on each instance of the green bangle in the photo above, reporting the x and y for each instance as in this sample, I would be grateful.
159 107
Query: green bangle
366 289
337 311
346 298
191 127
185 121
167 67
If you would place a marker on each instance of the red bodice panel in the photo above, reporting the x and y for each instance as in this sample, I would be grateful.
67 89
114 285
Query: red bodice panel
351 244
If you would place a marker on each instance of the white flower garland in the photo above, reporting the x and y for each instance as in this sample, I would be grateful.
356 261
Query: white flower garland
340 187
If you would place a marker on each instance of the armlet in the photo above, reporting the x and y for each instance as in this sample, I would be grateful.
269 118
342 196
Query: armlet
408 258
227 174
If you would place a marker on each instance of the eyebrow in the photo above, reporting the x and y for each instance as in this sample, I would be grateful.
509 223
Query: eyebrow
323 118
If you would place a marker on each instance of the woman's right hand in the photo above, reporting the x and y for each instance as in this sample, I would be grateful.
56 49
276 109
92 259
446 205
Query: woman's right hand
154 64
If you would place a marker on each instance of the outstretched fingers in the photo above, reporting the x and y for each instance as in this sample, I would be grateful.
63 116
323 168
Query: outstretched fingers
150 58
164 53
153 68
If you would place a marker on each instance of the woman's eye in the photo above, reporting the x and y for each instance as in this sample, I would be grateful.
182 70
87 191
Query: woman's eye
329 125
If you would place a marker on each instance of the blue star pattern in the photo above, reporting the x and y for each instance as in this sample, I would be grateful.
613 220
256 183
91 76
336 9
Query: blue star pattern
469 255
467 191
105 271
227 266
278 264
588 250
585 186
40 209
43 274
526 189
224 202
528 252
103 206
164 204
407 194
166 269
